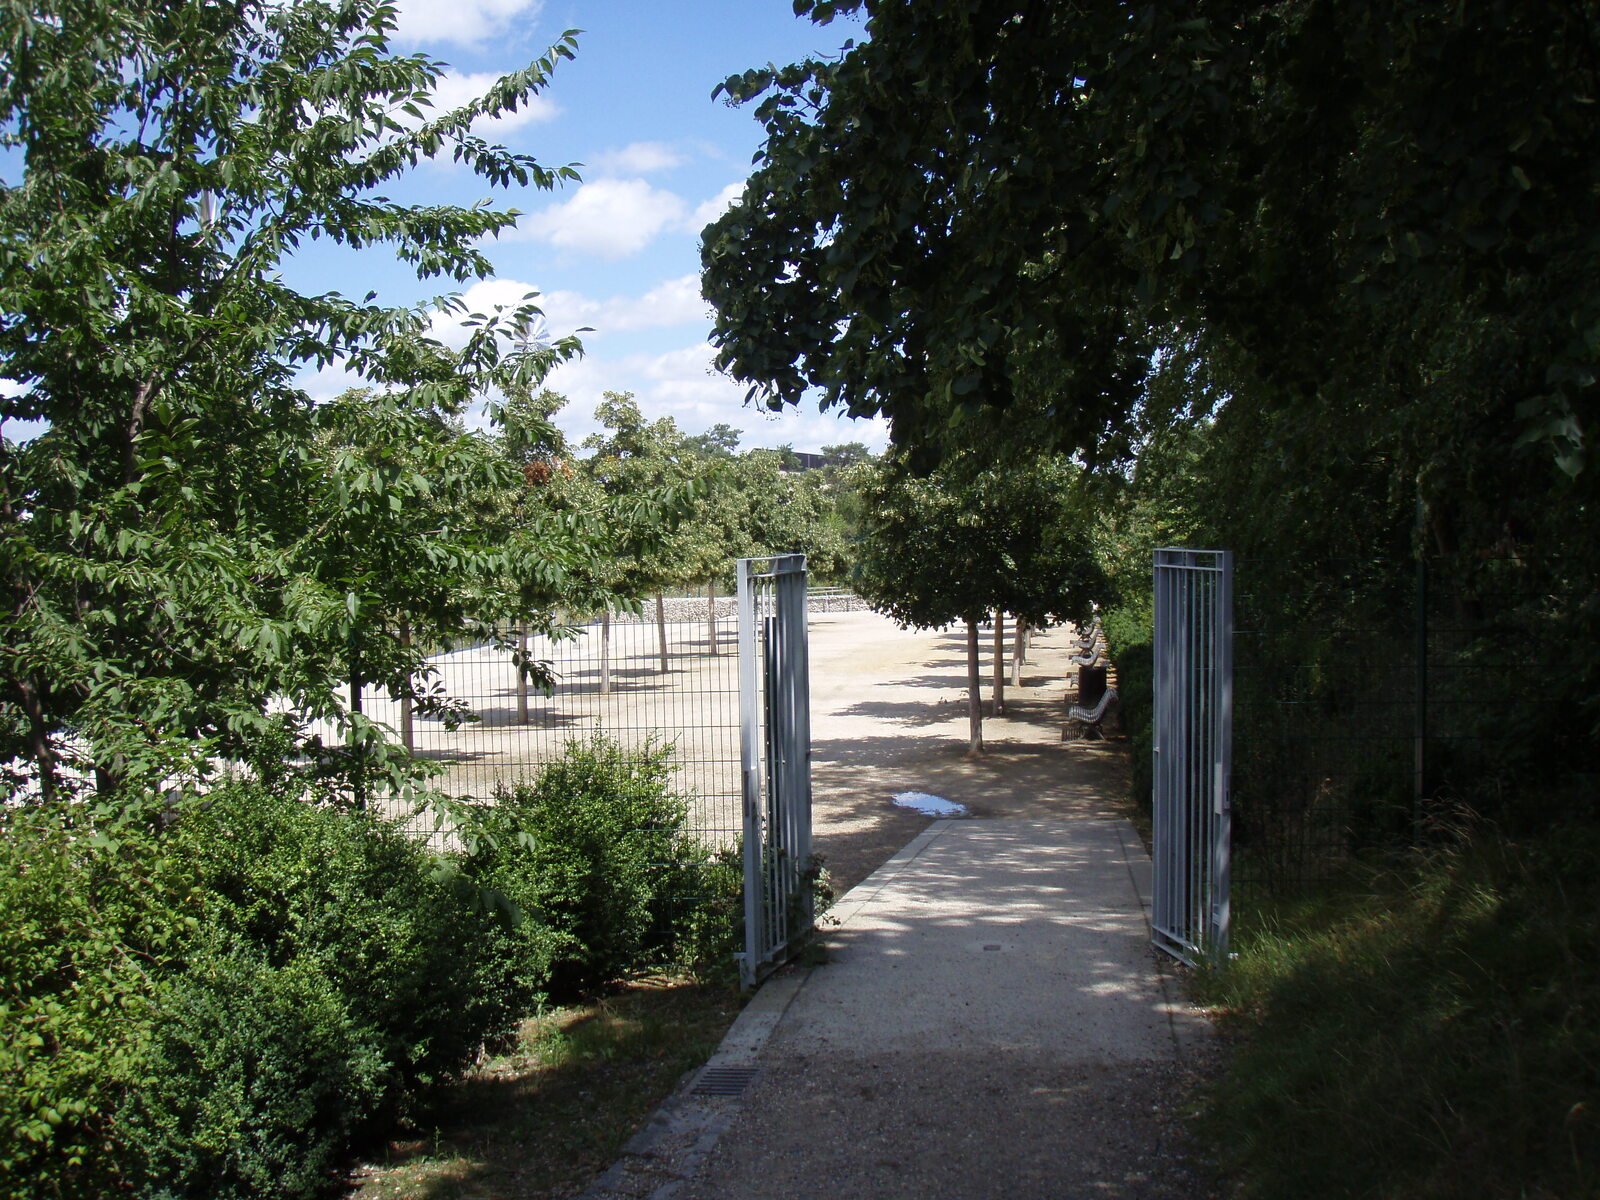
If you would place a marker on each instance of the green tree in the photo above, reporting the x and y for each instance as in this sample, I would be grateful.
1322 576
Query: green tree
721 439
1375 259
159 558
646 483
963 543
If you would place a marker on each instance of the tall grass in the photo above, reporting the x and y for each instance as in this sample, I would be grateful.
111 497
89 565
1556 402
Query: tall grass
1427 1029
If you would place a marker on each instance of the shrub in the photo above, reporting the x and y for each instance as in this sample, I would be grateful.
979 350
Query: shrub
85 924
403 940
218 1008
595 846
257 1077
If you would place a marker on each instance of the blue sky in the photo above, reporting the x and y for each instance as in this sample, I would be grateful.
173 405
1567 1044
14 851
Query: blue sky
620 251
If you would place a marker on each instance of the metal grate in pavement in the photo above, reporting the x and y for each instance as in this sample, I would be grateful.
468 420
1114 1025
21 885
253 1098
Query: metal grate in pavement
723 1081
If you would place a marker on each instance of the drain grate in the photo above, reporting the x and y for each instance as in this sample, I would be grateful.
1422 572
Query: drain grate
723 1081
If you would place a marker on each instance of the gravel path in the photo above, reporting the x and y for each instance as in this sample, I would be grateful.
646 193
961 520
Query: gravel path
991 1021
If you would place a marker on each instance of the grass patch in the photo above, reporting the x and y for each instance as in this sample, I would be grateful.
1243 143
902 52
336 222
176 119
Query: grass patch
1430 1030
552 1112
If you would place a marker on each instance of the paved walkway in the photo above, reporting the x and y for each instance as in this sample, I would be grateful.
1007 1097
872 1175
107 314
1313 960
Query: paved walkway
991 1022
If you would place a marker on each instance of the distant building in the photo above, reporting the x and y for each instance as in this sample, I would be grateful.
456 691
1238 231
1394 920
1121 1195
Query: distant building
800 460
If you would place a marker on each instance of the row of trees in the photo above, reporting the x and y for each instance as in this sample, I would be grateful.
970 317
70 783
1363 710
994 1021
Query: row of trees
191 542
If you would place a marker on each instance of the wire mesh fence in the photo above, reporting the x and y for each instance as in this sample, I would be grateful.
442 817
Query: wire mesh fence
664 676
637 681
1378 701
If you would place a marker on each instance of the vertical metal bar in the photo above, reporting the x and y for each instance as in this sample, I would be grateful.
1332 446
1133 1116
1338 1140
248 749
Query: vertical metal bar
1222 869
750 774
1161 815
1420 751
408 730
800 667
522 676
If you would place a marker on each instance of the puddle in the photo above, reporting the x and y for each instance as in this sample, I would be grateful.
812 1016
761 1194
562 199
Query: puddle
930 806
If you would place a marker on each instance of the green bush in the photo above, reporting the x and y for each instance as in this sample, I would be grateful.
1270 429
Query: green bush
217 1009
85 927
1130 637
257 1078
417 957
595 847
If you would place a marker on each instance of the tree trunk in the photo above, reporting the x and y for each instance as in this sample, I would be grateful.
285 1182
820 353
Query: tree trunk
44 754
661 631
999 662
522 674
605 653
711 615
974 690
1019 648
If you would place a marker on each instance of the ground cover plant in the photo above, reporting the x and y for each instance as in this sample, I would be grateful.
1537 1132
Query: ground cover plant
1425 1030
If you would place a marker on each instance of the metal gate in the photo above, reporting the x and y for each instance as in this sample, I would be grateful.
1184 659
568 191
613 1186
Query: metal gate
1193 752
775 751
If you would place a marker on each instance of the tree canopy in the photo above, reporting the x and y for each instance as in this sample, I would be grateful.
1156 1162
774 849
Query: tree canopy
169 544
1376 220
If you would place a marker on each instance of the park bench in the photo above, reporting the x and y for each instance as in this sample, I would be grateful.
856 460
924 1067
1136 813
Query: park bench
1090 719
1089 656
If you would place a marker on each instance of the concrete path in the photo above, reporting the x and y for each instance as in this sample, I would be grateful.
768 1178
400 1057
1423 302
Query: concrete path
991 1022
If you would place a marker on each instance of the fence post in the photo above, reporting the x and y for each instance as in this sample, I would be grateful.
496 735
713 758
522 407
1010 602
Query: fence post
1420 764
711 614
358 746
522 674
749 753
408 734
661 630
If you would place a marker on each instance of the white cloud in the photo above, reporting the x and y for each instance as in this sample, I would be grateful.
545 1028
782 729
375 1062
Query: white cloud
636 158
482 297
674 302
462 22
709 210
456 89
327 382
612 218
